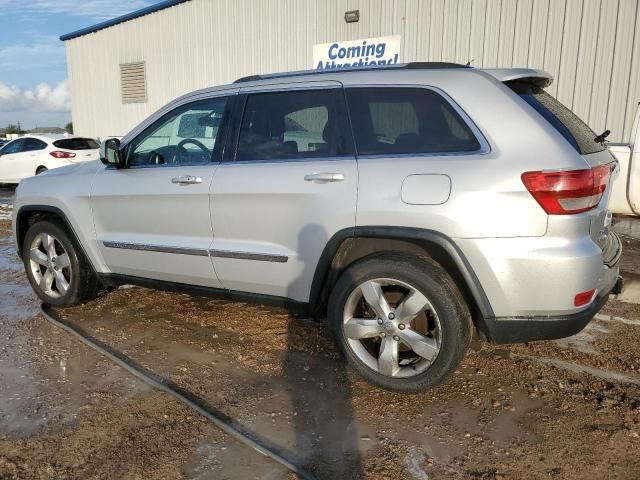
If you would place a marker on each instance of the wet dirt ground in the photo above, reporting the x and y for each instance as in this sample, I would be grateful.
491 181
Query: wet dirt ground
567 409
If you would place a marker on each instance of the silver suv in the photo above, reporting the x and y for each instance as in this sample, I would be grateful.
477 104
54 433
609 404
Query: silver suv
409 205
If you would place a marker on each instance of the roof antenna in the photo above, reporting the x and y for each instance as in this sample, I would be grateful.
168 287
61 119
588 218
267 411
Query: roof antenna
468 64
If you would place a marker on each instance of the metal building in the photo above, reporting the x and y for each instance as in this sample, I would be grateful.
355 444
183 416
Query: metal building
122 70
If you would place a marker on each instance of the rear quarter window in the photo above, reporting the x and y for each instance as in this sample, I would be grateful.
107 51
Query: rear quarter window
407 120
567 123
77 144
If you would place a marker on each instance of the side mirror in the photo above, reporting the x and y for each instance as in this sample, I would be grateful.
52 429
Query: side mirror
110 153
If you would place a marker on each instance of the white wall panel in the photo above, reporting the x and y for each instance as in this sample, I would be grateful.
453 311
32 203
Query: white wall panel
602 66
591 47
633 96
622 64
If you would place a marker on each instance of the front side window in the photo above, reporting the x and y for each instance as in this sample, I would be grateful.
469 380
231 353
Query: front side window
32 144
294 124
406 120
14 146
188 135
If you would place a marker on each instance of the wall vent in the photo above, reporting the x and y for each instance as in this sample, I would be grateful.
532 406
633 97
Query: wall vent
133 82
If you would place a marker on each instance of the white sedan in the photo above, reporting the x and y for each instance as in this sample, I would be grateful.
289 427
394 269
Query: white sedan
31 155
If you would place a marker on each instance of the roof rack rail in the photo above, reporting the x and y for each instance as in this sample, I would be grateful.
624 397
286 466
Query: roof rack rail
249 78
434 65
408 66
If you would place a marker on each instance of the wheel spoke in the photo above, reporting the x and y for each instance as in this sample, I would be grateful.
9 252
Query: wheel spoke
422 345
63 260
39 257
411 306
388 357
61 283
49 244
372 292
357 328
46 281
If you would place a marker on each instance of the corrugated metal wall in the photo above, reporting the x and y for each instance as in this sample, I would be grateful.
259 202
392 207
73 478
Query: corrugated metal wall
591 47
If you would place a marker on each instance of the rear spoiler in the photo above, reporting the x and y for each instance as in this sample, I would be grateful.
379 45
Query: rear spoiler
539 78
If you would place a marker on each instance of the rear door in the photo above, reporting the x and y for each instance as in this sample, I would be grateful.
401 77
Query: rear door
290 185
34 148
153 218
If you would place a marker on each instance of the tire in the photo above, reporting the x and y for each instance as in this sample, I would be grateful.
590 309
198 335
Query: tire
81 281
441 331
40 170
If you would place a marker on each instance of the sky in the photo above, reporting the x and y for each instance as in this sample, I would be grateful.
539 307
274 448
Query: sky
33 69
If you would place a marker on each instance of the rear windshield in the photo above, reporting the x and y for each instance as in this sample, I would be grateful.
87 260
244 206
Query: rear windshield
574 130
77 144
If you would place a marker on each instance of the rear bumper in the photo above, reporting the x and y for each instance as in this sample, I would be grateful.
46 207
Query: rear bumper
521 330
540 276
529 329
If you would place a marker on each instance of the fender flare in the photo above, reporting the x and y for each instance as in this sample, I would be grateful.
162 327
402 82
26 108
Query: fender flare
47 209
400 233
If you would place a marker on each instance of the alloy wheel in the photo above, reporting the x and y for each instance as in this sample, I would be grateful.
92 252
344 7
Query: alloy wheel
50 265
392 327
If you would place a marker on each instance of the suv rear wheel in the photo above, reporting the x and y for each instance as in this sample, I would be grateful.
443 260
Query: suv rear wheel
56 267
400 321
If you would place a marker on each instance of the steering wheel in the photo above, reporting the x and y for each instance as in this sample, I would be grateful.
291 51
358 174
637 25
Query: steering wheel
205 151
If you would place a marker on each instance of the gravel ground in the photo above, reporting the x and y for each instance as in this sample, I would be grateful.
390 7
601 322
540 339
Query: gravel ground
567 409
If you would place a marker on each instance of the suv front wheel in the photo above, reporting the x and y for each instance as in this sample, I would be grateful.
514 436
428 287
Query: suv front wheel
400 321
57 270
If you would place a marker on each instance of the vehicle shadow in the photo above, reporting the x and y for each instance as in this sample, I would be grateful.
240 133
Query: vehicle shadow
326 437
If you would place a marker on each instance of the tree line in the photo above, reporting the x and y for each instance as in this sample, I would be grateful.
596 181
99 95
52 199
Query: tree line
16 128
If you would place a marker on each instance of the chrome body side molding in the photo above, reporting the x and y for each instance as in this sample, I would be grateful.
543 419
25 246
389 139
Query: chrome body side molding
261 257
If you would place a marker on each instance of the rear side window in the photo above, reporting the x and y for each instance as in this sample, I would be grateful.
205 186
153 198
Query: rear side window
32 144
567 123
77 144
406 120
294 124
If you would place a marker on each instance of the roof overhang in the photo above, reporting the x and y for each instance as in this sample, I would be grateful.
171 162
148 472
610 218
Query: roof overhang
124 18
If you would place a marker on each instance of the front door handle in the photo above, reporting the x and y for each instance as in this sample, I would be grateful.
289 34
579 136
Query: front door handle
186 180
324 177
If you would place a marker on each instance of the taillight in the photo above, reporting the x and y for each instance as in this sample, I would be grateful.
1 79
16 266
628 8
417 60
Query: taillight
566 192
59 154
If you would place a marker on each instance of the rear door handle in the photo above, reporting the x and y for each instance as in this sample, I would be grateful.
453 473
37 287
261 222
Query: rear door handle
323 177
186 180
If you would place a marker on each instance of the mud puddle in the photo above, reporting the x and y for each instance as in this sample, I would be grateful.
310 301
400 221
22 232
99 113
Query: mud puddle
6 202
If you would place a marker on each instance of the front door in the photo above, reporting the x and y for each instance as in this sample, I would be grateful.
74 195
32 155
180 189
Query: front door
14 161
152 218
290 186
